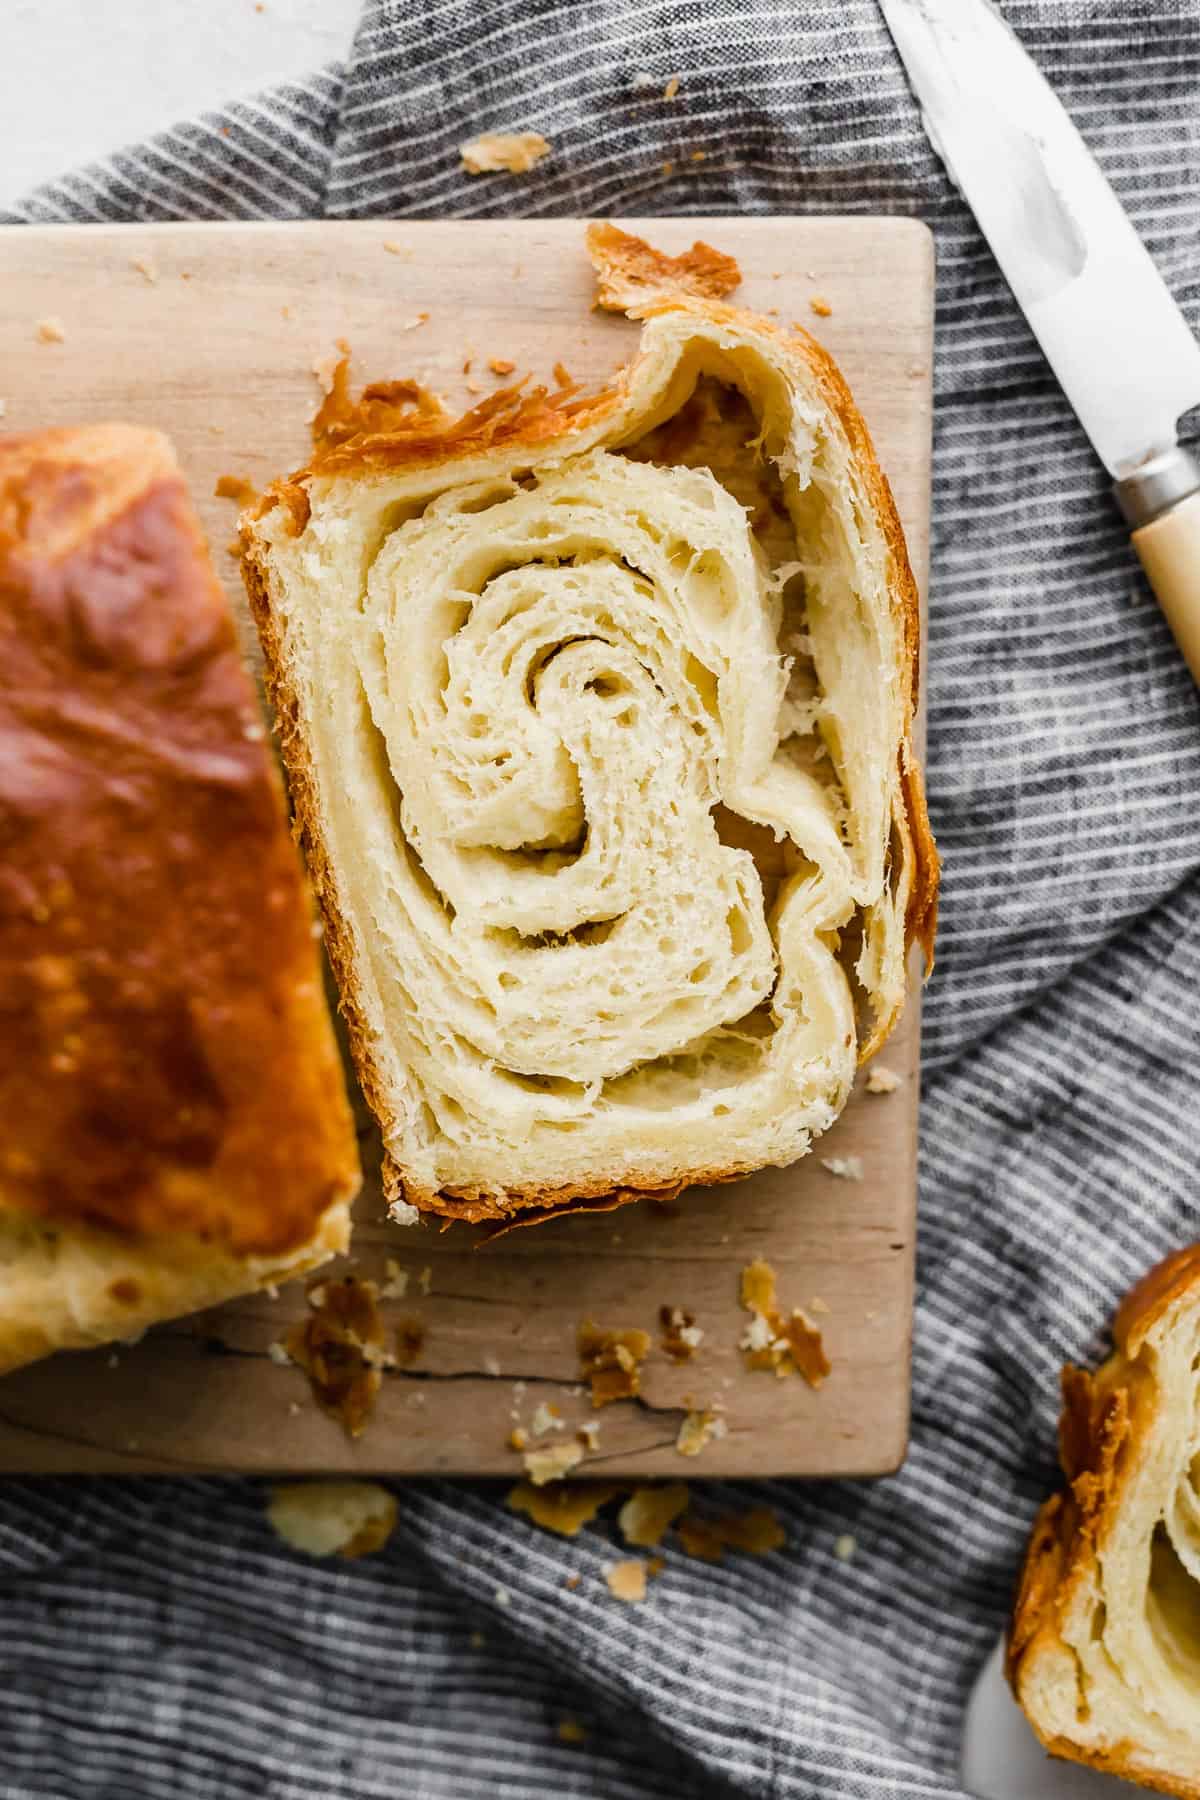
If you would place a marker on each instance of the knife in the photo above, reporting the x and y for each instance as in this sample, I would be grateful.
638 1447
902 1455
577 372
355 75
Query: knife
1104 317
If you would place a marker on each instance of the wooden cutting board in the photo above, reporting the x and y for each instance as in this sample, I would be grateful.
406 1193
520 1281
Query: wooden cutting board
211 333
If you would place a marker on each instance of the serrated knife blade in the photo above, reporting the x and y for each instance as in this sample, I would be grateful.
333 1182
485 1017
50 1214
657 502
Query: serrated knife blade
1102 313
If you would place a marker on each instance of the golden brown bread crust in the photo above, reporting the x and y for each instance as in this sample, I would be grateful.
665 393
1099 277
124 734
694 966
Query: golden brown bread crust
1105 1427
398 425
629 271
167 1066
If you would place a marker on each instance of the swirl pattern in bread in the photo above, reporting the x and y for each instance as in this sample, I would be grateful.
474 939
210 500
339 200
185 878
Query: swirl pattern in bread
1104 1654
598 716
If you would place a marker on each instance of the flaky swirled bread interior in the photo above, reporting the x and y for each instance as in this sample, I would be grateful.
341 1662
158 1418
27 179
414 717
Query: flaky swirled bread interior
597 711
175 1123
1104 1654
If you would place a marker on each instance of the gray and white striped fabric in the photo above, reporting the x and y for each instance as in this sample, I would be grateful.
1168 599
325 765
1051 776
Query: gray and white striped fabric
154 1639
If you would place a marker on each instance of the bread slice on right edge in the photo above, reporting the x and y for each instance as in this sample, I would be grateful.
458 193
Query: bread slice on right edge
1104 1654
598 711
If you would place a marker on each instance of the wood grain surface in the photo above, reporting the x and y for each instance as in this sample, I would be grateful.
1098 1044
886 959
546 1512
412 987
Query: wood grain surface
210 332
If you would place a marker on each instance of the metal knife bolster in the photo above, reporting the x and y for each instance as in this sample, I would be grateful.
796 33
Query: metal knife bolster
1157 485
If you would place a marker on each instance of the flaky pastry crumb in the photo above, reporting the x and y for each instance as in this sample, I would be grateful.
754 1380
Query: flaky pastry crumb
627 1580
333 1518
773 1341
514 153
846 1168
699 1429
650 1511
543 1466
563 1509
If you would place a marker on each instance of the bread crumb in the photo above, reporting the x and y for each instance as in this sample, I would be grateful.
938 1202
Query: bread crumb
518 1438
756 1532
513 152
145 267
699 1429
882 1081
543 1466
425 1279
396 1285
588 1434
563 1508
401 1213
817 1305
771 1341
845 1546
610 1361
491 1363
500 365
627 1580
570 1731
642 81
546 1418
681 1336
846 1168
572 1582
699 155
50 331
422 318
333 1518
502 1597
340 1346
395 249
821 307
474 387
279 1355
563 376
668 168
632 273
650 1511
672 88
235 487
294 1409
285 312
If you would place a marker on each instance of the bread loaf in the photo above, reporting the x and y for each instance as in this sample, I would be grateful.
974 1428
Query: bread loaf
1104 1654
175 1125
598 710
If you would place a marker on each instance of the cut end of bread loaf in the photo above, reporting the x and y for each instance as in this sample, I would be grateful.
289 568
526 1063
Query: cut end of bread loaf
1104 1652
598 716
176 1124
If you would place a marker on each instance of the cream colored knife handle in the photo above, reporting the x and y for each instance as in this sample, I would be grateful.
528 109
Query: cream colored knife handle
1162 501
1170 551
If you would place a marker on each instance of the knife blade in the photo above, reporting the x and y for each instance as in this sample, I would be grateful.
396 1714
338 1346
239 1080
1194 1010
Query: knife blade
1104 317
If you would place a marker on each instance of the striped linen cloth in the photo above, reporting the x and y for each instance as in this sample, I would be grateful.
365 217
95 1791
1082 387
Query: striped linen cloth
155 1639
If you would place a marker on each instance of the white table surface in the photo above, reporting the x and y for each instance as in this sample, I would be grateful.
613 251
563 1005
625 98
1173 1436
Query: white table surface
79 78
